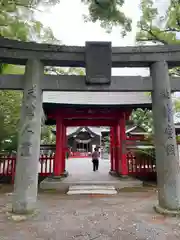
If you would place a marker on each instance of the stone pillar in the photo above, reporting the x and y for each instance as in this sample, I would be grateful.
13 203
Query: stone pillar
167 159
123 163
58 161
26 178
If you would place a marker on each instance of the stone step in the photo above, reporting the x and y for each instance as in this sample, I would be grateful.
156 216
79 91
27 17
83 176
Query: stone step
91 189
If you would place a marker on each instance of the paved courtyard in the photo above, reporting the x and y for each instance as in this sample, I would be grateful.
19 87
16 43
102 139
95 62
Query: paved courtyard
81 169
61 217
128 215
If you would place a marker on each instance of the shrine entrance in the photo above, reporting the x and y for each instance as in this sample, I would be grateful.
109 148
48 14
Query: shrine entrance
98 58
113 116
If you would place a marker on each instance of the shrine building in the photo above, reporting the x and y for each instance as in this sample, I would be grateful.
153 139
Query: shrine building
82 140
92 109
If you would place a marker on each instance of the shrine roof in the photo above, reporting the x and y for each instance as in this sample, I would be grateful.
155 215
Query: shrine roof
74 130
136 130
97 98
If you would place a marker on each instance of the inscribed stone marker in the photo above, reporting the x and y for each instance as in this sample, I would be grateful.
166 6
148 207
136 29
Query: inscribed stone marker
98 57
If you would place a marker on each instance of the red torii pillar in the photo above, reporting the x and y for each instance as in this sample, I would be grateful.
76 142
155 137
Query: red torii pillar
112 148
64 149
116 147
123 168
58 161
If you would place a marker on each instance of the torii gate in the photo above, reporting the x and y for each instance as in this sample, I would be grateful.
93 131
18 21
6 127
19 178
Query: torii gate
98 58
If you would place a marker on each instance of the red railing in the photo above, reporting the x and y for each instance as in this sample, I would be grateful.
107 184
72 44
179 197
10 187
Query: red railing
7 165
46 165
80 155
142 165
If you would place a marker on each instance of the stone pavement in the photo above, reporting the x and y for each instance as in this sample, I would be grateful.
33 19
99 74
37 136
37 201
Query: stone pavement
81 169
81 173
127 216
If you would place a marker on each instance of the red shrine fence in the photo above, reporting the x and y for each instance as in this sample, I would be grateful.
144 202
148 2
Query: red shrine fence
138 165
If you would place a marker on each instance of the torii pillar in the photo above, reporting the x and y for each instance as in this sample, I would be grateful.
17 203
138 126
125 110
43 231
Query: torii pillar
167 158
123 165
59 161
26 175
117 148
64 150
112 147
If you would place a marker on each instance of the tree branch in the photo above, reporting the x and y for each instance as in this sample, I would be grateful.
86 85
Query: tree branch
153 38
28 6
175 4
169 29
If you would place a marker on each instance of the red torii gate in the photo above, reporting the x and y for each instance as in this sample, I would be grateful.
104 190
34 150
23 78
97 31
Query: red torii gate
114 118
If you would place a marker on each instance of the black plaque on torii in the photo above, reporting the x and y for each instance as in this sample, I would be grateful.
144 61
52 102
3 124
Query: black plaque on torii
98 58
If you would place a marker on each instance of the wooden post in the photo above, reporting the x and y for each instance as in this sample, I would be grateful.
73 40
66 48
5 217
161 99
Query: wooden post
64 149
117 147
112 148
26 175
58 162
123 163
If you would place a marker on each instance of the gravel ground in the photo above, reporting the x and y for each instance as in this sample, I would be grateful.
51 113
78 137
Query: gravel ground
124 216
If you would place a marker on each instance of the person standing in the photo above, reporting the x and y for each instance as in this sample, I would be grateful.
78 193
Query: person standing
95 159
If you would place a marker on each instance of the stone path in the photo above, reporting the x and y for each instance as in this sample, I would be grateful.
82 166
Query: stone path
126 216
81 173
81 169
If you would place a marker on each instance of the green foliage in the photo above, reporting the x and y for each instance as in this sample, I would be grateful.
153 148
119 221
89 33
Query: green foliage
178 138
108 13
143 118
47 137
106 142
10 104
65 71
177 105
143 154
13 69
17 16
17 22
157 28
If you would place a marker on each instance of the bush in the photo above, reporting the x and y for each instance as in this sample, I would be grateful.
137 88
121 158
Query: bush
142 154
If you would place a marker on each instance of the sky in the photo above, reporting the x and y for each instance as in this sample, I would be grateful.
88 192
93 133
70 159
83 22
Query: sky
67 23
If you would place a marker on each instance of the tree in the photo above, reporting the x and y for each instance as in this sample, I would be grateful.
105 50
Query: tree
10 104
47 137
108 13
143 118
162 29
21 12
17 18
177 105
14 25
157 28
